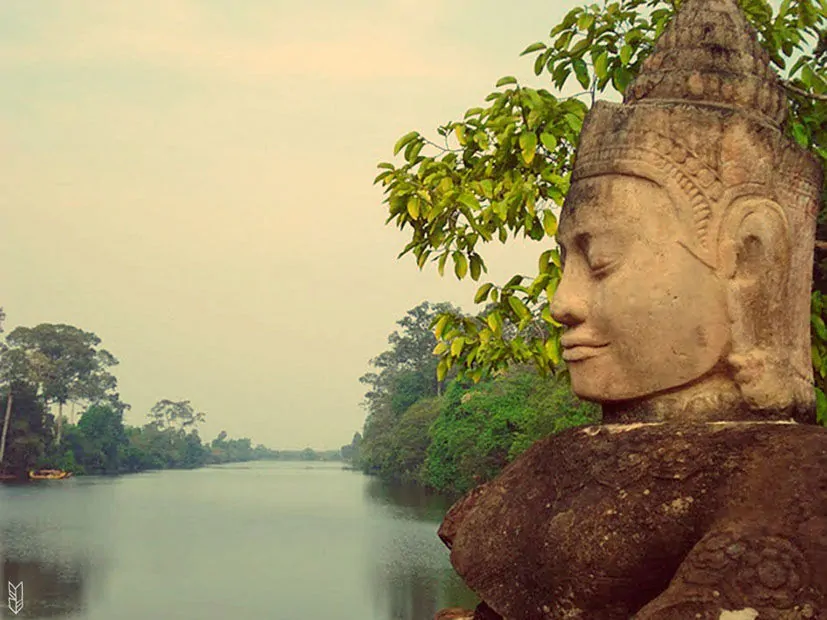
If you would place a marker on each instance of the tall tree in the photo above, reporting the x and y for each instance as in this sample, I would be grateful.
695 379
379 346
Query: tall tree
404 374
503 170
168 414
407 370
63 361
29 431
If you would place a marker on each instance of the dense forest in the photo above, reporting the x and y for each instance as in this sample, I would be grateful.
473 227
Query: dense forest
453 434
50 366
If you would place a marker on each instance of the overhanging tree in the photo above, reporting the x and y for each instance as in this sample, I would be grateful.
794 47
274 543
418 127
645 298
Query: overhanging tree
502 172
63 362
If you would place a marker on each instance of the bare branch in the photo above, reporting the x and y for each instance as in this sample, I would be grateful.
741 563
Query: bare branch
803 93
442 148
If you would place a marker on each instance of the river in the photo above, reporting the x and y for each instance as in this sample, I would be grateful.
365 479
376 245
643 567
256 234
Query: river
267 540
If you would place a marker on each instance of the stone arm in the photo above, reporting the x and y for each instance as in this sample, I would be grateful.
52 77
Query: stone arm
745 572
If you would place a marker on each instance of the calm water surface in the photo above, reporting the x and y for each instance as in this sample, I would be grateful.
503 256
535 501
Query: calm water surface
265 540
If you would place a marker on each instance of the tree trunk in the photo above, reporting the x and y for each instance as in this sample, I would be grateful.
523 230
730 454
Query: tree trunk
5 428
59 421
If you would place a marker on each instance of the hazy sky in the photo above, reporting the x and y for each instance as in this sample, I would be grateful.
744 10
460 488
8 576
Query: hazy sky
192 181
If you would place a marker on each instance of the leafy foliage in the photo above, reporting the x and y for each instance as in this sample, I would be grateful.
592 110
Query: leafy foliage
503 170
483 427
64 362
30 431
454 440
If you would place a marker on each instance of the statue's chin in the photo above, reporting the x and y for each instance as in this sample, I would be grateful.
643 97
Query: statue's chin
657 392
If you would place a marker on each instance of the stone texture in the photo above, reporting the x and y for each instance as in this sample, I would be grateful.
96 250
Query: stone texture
688 237
655 521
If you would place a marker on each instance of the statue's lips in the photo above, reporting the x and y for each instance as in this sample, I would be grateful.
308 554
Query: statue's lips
577 351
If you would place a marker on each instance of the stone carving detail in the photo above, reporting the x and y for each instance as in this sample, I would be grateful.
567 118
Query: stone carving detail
766 572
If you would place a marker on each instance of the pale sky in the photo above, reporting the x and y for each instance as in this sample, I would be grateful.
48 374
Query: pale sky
192 181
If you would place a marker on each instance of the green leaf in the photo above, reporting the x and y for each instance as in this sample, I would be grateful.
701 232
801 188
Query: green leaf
821 406
441 370
400 144
555 258
621 77
801 135
539 63
550 223
495 322
487 188
441 264
459 130
482 292
563 41
581 71
528 144
551 289
549 141
440 325
413 149
601 65
460 265
504 81
553 350
413 207
625 54
440 348
469 200
820 328
585 21
457 345
534 47
519 308
476 267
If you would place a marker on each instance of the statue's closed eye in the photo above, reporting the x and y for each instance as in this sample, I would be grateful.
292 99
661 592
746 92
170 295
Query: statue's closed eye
602 266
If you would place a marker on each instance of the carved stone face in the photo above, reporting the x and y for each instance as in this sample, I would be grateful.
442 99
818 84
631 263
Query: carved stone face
642 314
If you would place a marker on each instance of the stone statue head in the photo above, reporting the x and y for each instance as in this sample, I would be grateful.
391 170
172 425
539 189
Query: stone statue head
687 237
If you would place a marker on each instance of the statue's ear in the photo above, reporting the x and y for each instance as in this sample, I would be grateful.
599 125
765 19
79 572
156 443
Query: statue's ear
754 245
753 261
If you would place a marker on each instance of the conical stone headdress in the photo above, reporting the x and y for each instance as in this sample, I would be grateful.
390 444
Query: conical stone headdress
704 120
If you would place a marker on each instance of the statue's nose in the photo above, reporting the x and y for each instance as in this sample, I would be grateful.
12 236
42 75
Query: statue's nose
569 305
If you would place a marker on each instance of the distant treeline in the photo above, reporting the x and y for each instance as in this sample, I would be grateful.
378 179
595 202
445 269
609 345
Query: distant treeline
100 443
453 435
53 365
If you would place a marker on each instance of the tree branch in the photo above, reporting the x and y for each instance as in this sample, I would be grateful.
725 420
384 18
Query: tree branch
803 93
442 148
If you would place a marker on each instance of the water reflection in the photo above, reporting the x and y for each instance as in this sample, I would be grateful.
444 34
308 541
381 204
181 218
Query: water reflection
408 501
49 590
406 585
51 537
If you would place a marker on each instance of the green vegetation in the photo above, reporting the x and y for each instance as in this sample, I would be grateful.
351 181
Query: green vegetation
503 171
454 438
58 364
